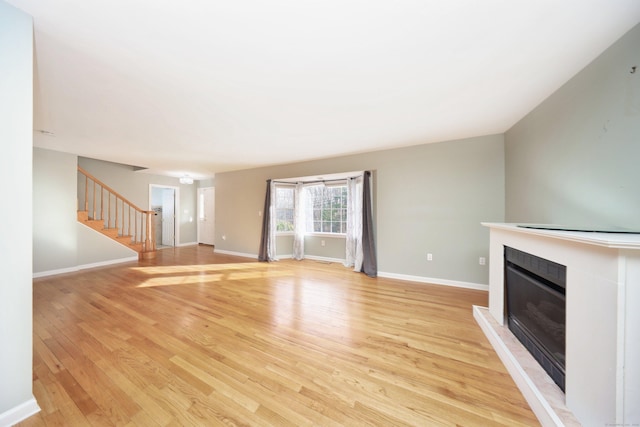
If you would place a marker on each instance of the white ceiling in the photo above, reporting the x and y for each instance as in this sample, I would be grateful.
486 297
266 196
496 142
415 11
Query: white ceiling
200 87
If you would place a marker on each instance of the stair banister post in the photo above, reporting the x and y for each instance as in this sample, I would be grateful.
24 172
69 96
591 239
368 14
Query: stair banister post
94 200
147 242
102 205
141 241
153 227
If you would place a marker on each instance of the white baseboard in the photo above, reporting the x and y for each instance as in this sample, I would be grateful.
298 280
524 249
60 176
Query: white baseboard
313 258
406 277
434 281
187 244
54 272
19 413
324 259
222 251
110 262
84 267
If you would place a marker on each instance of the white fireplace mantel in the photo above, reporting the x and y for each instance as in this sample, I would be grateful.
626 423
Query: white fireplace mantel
602 385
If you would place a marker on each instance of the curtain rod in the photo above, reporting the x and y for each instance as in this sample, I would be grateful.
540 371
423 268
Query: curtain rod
315 180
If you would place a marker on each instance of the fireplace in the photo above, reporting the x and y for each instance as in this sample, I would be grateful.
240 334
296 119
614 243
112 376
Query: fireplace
535 290
602 324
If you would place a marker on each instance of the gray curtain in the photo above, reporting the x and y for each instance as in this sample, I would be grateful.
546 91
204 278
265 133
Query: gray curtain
369 259
263 254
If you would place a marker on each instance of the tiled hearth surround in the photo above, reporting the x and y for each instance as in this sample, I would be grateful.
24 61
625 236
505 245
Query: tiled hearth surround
603 325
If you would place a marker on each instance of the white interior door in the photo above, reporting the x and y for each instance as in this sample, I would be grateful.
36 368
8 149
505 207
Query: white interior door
168 217
206 211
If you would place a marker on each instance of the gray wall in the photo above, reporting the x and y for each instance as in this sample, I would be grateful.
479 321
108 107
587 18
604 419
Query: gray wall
334 248
204 183
135 187
54 211
59 242
16 136
574 159
96 249
427 198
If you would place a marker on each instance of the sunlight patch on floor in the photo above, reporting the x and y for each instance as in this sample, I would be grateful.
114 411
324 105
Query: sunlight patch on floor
201 267
207 273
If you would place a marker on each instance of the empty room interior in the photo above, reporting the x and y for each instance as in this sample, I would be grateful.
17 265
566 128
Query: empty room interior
343 213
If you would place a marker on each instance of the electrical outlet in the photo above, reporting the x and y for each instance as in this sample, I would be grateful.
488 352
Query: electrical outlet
429 257
482 260
321 242
224 237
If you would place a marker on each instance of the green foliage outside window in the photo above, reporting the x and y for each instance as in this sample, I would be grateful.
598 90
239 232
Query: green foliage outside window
284 209
327 204
329 209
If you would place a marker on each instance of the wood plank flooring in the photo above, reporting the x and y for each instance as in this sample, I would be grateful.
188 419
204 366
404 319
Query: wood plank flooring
196 338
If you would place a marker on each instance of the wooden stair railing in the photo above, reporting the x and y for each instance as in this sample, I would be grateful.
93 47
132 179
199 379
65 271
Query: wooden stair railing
105 210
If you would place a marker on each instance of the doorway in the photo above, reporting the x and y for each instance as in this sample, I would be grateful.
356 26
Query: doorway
164 201
206 215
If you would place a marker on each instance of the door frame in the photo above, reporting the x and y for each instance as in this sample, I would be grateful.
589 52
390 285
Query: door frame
176 223
198 211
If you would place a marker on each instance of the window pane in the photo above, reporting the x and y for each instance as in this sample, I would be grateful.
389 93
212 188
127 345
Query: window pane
284 204
328 205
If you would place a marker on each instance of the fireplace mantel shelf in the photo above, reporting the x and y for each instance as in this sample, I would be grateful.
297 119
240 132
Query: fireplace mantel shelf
602 320
607 240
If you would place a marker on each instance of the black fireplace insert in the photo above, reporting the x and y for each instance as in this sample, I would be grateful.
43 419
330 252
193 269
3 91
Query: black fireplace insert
535 291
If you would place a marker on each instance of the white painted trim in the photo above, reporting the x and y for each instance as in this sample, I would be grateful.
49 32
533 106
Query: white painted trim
342 236
325 259
187 244
110 262
434 281
84 267
607 240
313 258
240 254
198 206
55 272
621 339
178 210
19 413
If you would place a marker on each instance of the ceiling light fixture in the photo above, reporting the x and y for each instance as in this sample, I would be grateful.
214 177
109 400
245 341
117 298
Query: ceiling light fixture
186 180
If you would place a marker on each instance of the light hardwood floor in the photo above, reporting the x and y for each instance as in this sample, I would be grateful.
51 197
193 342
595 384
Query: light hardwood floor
197 338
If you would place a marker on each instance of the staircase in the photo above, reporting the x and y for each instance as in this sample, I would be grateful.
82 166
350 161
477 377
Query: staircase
112 215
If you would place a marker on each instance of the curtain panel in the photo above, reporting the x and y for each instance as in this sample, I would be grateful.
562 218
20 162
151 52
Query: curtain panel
353 250
360 239
369 257
299 221
268 238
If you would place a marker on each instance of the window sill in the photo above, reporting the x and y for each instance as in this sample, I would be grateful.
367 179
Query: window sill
334 235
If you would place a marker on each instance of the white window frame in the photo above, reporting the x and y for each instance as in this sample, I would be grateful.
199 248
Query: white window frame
310 233
324 233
